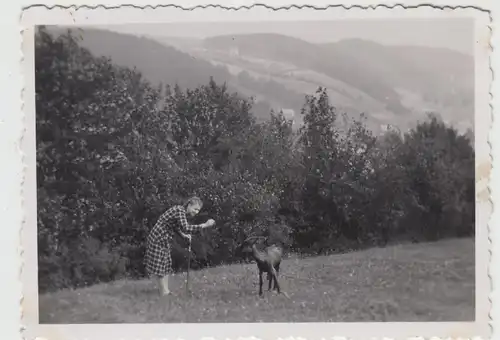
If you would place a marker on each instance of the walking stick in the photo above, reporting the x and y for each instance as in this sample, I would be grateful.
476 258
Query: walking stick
189 265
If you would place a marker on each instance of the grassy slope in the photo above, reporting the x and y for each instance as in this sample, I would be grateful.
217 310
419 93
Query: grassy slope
424 282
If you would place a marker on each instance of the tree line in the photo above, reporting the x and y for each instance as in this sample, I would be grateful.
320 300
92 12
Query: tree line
113 152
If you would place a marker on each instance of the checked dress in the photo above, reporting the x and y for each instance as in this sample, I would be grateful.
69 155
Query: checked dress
158 259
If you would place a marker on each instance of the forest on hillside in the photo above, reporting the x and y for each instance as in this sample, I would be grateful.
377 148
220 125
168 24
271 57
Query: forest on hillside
114 151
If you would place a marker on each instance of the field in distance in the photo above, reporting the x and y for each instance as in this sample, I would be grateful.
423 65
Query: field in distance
417 282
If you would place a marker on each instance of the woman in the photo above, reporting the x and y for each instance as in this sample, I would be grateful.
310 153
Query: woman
158 258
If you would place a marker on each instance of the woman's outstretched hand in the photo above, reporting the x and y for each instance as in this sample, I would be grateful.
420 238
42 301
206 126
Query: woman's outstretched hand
210 223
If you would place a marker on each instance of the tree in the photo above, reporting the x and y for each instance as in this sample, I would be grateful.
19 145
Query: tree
91 132
440 164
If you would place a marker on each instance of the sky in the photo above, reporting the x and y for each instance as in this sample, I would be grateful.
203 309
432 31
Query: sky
452 33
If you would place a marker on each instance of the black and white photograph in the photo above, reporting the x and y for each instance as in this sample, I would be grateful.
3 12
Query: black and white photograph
260 171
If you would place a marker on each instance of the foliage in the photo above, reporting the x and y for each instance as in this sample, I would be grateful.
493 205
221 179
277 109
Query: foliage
113 152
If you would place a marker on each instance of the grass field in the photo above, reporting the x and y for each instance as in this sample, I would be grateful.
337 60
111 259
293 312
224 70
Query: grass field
419 282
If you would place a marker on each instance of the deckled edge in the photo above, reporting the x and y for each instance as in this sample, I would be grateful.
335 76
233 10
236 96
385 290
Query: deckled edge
237 8
491 180
491 177
20 250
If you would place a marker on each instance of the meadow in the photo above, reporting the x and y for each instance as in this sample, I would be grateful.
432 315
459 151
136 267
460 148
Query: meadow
411 282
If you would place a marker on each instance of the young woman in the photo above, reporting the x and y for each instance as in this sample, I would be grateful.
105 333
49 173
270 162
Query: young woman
158 258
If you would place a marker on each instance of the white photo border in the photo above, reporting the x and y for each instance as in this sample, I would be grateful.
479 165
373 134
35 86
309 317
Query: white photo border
98 14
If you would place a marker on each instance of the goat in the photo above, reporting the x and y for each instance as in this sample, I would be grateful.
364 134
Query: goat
268 261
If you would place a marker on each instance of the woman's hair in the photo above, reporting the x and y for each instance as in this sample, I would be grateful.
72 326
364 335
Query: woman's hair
193 200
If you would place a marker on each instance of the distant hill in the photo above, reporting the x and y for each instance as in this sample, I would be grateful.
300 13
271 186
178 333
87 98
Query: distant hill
392 85
165 64
332 62
436 73
393 76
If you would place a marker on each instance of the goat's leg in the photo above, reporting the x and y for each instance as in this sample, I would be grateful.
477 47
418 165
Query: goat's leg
260 283
270 281
275 276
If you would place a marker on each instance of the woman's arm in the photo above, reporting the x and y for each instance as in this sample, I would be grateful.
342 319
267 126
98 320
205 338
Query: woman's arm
184 227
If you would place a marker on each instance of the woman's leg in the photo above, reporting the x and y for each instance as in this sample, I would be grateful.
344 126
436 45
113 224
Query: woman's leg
157 267
164 285
168 271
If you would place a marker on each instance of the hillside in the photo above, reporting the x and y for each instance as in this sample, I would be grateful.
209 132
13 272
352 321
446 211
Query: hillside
441 77
420 282
168 65
392 85
305 55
